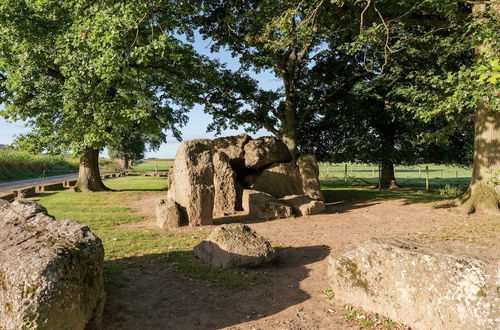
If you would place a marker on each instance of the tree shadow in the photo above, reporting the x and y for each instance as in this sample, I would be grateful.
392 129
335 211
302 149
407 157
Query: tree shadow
157 296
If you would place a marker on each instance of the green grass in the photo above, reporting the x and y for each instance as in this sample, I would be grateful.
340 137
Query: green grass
16 165
414 176
106 214
150 165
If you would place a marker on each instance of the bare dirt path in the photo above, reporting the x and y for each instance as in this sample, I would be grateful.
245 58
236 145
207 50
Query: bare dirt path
157 297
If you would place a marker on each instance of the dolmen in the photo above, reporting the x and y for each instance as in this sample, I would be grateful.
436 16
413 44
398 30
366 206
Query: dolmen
214 178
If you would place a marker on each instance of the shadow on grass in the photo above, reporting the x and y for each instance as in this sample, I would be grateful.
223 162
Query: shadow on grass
174 290
339 196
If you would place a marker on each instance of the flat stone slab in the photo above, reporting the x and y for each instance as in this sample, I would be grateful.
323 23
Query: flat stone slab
69 183
8 197
50 187
25 192
443 285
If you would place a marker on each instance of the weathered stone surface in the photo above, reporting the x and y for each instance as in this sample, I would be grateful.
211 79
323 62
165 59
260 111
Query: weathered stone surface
279 180
50 271
168 215
193 181
224 184
264 206
309 176
233 147
438 286
234 245
265 151
304 205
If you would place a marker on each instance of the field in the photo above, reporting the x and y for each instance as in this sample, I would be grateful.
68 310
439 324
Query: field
153 279
15 165
414 176
150 165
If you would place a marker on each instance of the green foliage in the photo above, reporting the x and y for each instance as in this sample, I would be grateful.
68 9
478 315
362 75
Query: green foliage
15 165
452 191
81 72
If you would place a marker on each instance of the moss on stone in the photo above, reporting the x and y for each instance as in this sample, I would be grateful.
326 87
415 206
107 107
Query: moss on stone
348 269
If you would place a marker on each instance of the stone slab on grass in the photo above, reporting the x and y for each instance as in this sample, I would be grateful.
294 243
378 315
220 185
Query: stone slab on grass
425 286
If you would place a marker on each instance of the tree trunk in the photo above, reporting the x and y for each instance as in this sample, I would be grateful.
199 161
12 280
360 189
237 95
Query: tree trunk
124 163
89 178
289 136
483 193
387 178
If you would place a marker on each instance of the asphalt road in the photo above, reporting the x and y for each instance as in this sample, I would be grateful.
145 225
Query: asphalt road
6 187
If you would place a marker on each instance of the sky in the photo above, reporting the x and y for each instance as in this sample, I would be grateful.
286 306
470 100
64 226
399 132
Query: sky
198 120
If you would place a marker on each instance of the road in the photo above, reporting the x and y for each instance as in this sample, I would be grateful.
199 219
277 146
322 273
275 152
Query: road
6 187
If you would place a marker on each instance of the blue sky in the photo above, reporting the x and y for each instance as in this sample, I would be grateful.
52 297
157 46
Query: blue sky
198 120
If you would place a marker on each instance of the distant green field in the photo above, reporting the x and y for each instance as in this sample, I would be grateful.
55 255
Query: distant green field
148 165
16 165
439 175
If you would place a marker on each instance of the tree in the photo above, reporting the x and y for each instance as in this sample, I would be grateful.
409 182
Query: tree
82 72
372 122
129 149
470 24
282 36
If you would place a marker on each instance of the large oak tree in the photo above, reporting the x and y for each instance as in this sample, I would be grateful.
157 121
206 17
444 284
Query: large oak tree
81 72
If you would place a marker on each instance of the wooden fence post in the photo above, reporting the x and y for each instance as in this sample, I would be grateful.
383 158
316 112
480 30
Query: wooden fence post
427 178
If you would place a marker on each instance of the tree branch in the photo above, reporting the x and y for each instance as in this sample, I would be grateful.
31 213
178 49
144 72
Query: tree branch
331 94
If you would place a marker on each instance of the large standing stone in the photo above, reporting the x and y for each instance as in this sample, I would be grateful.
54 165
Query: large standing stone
225 185
234 245
264 206
439 286
233 147
193 182
304 205
50 271
279 180
168 215
309 176
265 151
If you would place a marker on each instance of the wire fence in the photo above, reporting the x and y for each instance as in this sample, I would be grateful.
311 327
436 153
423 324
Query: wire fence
418 175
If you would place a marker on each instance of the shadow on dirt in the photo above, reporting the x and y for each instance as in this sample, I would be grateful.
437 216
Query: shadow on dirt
157 296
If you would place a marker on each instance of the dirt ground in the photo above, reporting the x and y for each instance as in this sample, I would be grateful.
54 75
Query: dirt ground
160 298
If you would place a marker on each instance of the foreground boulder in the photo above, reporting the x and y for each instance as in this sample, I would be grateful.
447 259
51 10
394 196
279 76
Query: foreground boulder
168 215
234 245
193 182
50 271
224 184
439 286
279 180
264 206
309 176
264 151
304 205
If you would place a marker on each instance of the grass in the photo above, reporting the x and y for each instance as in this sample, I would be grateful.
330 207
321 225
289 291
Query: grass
149 165
106 214
17 165
414 176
